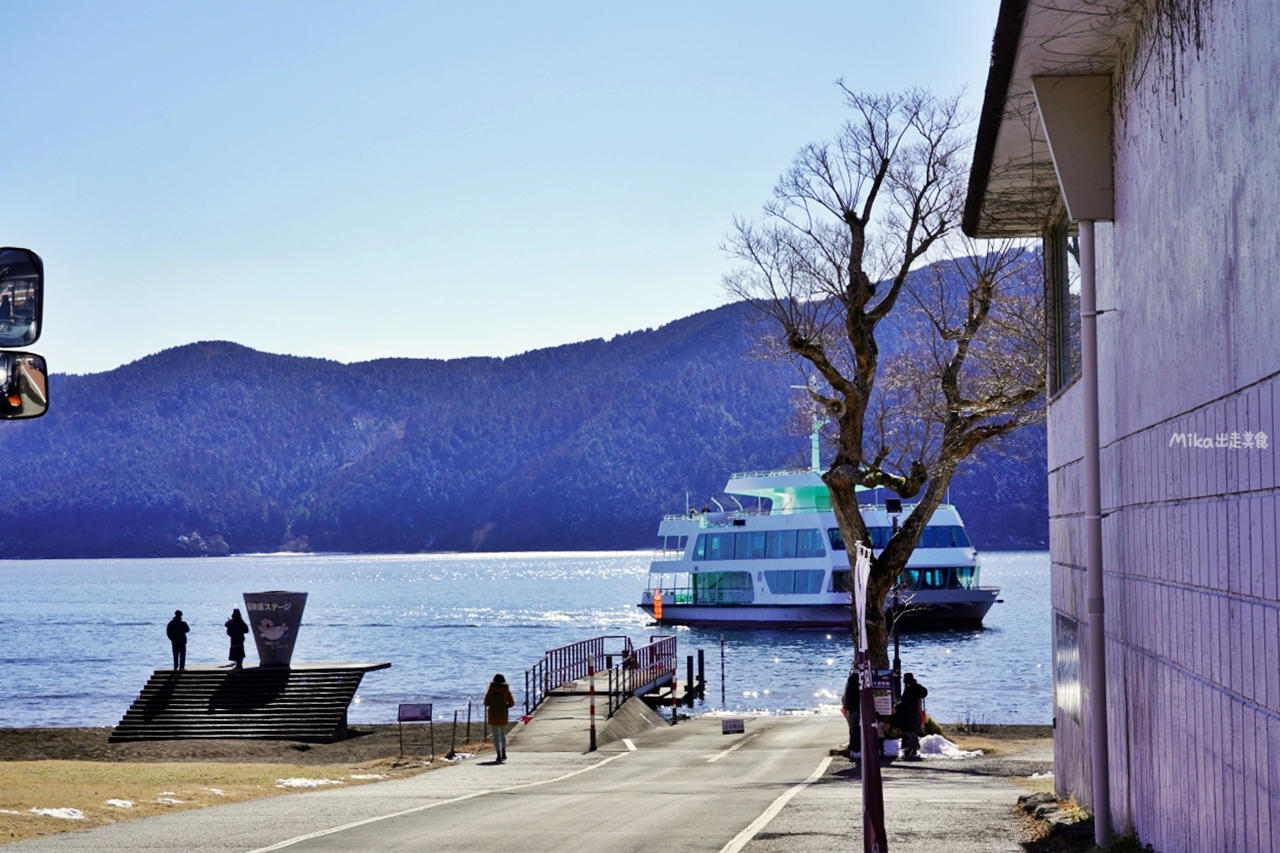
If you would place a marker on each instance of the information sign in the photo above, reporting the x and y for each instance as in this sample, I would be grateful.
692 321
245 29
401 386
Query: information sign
415 713
732 727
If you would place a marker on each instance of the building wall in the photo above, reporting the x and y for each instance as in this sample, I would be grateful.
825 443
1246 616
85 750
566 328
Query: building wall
1190 277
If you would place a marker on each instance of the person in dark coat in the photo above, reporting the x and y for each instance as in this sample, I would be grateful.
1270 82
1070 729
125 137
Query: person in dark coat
851 707
177 632
497 702
236 630
906 716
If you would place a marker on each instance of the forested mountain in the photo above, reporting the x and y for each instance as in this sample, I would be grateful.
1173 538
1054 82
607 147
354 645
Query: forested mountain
214 448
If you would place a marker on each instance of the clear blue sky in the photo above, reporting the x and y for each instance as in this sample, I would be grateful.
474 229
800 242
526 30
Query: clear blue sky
354 181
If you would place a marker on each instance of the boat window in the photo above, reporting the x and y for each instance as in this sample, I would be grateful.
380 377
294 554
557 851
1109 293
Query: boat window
780 544
967 577
841 581
759 545
723 588
880 537
801 582
949 536
673 543
809 544
837 539
937 578
720 546
909 578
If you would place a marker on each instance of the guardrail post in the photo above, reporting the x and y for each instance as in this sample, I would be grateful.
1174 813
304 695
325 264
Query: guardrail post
591 681
688 680
702 678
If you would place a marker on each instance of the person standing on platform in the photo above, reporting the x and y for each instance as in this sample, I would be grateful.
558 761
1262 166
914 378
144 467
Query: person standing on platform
236 630
497 702
177 631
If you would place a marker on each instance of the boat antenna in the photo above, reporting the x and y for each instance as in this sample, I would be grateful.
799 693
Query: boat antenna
820 419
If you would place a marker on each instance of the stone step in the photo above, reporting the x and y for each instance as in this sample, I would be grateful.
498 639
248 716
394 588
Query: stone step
308 703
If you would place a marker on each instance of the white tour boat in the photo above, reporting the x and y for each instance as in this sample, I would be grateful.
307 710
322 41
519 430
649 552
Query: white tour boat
785 565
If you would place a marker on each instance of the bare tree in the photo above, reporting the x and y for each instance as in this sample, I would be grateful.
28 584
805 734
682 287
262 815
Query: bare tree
836 264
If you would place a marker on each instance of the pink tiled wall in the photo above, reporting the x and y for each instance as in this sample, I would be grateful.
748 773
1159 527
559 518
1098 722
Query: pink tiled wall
1189 274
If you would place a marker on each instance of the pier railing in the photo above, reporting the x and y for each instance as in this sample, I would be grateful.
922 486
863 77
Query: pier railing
621 669
647 667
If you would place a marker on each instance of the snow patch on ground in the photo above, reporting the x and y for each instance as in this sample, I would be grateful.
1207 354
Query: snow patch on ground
457 756
1048 774
937 746
121 804
65 814
168 801
299 782
367 776
217 792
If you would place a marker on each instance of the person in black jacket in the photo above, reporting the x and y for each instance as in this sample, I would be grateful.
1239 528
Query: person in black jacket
906 716
177 632
237 628
851 707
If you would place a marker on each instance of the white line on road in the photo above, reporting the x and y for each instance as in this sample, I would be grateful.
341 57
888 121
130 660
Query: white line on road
740 840
719 755
631 747
290 842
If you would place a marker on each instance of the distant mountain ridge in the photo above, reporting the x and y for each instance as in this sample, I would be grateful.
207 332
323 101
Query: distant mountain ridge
215 448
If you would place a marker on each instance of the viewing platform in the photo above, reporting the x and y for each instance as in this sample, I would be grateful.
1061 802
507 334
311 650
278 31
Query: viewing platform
304 702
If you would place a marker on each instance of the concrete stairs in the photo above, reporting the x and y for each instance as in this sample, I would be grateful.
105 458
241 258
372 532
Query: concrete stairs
306 702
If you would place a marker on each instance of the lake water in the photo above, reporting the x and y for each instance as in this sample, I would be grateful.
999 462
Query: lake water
79 638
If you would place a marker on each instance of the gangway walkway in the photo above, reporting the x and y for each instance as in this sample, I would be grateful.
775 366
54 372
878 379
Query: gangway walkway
621 671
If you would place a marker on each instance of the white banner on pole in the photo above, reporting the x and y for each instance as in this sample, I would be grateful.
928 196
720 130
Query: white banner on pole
861 577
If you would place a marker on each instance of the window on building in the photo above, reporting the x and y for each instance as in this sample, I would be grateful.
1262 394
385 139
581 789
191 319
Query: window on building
1062 283
1066 665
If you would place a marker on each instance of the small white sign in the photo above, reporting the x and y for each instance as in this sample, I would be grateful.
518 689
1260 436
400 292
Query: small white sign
732 727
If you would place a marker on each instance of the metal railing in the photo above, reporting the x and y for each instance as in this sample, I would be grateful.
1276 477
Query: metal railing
621 671
567 664
646 665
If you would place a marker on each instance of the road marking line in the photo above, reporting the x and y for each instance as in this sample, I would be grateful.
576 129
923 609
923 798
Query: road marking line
291 841
740 840
719 755
631 747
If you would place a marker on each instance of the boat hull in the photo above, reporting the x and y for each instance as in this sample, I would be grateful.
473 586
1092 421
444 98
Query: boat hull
924 609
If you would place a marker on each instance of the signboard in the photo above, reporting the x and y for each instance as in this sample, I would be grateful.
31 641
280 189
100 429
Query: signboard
415 713
274 618
882 691
732 727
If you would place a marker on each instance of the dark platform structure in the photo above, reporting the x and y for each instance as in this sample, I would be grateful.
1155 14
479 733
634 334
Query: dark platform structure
305 702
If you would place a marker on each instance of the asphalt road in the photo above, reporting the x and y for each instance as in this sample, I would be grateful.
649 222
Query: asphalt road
687 788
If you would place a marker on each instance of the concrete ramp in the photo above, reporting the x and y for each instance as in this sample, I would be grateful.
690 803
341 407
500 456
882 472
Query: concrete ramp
633 718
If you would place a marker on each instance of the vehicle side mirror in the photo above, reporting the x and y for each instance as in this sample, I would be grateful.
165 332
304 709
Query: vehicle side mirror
24 385
21 297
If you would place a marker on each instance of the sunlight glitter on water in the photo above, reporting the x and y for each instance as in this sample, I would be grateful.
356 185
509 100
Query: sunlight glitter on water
447 622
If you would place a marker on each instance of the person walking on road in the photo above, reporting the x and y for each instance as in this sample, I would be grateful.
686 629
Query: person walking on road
907 715
497 701
177 631
236 630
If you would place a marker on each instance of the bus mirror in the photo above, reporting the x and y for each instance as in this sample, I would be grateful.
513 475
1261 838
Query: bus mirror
24 392
21 297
